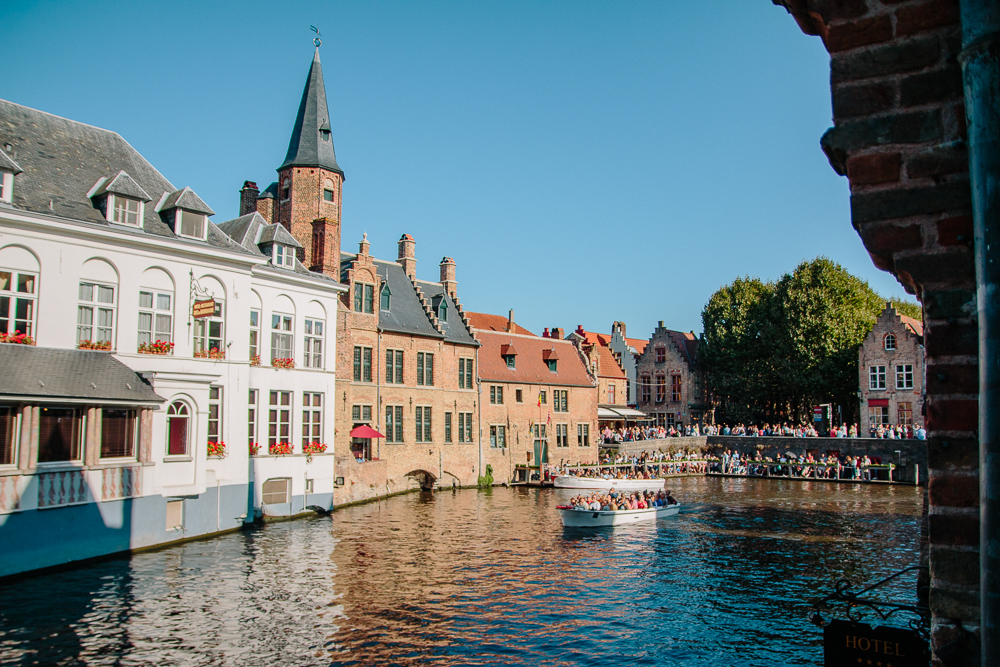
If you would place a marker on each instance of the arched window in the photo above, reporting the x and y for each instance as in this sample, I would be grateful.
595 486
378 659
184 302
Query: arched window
890 341
19 271
178 429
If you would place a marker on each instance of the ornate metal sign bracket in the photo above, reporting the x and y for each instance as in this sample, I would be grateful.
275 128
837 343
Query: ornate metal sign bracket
196 293
856 607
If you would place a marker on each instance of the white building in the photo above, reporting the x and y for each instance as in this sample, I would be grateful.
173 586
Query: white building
156 335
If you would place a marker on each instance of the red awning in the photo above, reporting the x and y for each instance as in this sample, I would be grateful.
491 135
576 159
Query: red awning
878 402
364 431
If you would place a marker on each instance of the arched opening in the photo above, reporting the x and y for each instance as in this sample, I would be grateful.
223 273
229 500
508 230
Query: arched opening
425 479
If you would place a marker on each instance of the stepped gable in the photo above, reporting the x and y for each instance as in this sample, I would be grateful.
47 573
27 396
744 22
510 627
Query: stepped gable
63 160
530 364
456 328
609 367
406 313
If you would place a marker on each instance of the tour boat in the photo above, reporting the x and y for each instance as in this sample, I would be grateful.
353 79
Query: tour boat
574 482
580 518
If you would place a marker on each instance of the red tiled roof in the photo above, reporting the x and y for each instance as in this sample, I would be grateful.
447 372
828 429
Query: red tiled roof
916 326
609 365
596 338
639 345
531 366
487 322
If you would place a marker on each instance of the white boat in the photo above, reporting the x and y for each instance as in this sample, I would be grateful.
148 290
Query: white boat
580 518
574 482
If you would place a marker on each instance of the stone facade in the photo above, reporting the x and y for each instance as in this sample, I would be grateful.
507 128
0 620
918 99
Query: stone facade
891 372
670 385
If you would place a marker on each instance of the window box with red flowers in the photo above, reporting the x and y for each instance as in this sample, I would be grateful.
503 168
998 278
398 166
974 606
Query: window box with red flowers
279 449
159 347
214 353
255 360
103 345
254 449
16 338
311 448
282 362
216 449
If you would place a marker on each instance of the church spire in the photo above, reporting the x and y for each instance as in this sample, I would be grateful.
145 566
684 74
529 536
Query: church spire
311 144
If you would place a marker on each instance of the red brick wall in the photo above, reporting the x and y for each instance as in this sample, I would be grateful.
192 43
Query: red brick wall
899 137
305 204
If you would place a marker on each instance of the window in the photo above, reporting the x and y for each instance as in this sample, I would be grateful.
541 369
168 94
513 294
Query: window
312 417
215 414
309 485
465 427
286 191
583 435
276 491
661 355
889 341
175 515
178 429
443 310
644 389
394 423
252 417
661 388
156 318
540 437
670 420
425 369
192 224
59 435
6 186
7 421
117 433
560 400
327 195
385 297
423 421
394 367
314 344
553 365
876 377
905 411
518 396
562 437
878 415
279 418
284 256
498 436
364 298
675 388
95 316
611 393
281 337
361 414
465 373
510 360
255 336
362 364
496 395
542 398
17 302
447 427
208 341
904 376
125 211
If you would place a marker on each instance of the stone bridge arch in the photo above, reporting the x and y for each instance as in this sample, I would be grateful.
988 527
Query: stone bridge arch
424 478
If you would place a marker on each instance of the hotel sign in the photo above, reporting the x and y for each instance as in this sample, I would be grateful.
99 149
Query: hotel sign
859 644
203 309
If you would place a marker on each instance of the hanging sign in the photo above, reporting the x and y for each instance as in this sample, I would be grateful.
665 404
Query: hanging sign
852 644
203 309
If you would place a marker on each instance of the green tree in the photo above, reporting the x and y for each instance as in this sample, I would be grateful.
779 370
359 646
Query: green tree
908 308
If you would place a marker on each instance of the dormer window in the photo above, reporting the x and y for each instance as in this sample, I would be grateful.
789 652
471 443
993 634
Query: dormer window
553 364
283 256
385 297
510 359
6 186
443 311
125 211
192 224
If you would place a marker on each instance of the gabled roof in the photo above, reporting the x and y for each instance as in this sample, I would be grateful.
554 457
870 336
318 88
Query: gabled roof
530 365
454 328
122 184
186 198
609 364
916 326
7 163
277 234
54 374
487 322
638 344
596 338
311 144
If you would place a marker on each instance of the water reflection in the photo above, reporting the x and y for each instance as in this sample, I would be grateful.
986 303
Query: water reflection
481 578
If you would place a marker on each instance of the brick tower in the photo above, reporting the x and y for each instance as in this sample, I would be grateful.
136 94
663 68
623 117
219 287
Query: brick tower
310 181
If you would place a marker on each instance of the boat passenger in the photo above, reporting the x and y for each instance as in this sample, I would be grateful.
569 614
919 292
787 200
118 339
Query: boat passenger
670 499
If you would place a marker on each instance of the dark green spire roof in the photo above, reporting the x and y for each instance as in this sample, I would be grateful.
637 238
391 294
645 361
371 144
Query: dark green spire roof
312 141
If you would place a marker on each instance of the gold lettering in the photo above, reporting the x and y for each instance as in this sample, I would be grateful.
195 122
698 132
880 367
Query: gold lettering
867 645
877 642
851 639
898 653
888 648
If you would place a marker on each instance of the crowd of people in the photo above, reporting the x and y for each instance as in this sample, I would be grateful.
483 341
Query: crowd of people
643 465
616 501
804 466
807 430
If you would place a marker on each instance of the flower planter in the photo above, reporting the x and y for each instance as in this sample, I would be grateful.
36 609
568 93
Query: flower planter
254 449
255 360
217 449
214 353
279 449
17 339
159 347
283 363
312 448
103 345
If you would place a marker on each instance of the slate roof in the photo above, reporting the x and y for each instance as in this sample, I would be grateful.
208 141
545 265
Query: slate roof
122 184
488 322
530 363
277 234
51 374
63 159
270 192
7 163
187 199
308 147
687 343
454 328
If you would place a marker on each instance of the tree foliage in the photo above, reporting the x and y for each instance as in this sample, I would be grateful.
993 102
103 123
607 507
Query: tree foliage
771 351
908 308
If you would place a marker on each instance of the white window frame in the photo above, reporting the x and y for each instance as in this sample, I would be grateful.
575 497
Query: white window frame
202 331
313 348
312 417
154 312
876 378
283 256
255 334
14 296
179 219
215 404
112 216
96 307
188 416
904 376
253 415
6 186
279 415
886 339
279 334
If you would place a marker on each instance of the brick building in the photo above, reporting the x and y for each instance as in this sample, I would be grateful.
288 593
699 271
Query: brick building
537 394
626 351
891 370
612 382
670 383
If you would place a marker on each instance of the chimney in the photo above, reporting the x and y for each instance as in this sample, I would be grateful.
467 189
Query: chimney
556 333
407 255
510 322
448 281
580 332
545 334
324 248
621 327
364 245
248 198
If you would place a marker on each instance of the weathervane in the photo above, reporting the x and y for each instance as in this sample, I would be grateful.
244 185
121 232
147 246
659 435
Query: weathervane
318 42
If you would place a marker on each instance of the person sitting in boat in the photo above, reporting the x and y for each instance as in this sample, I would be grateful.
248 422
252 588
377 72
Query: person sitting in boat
670 499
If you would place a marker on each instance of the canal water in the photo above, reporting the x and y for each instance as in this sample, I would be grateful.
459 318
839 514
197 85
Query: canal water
481 578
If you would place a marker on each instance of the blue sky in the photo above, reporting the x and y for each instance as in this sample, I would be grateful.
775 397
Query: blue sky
583 162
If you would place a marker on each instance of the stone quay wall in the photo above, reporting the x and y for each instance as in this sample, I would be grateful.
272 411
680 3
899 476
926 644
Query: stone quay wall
912 453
